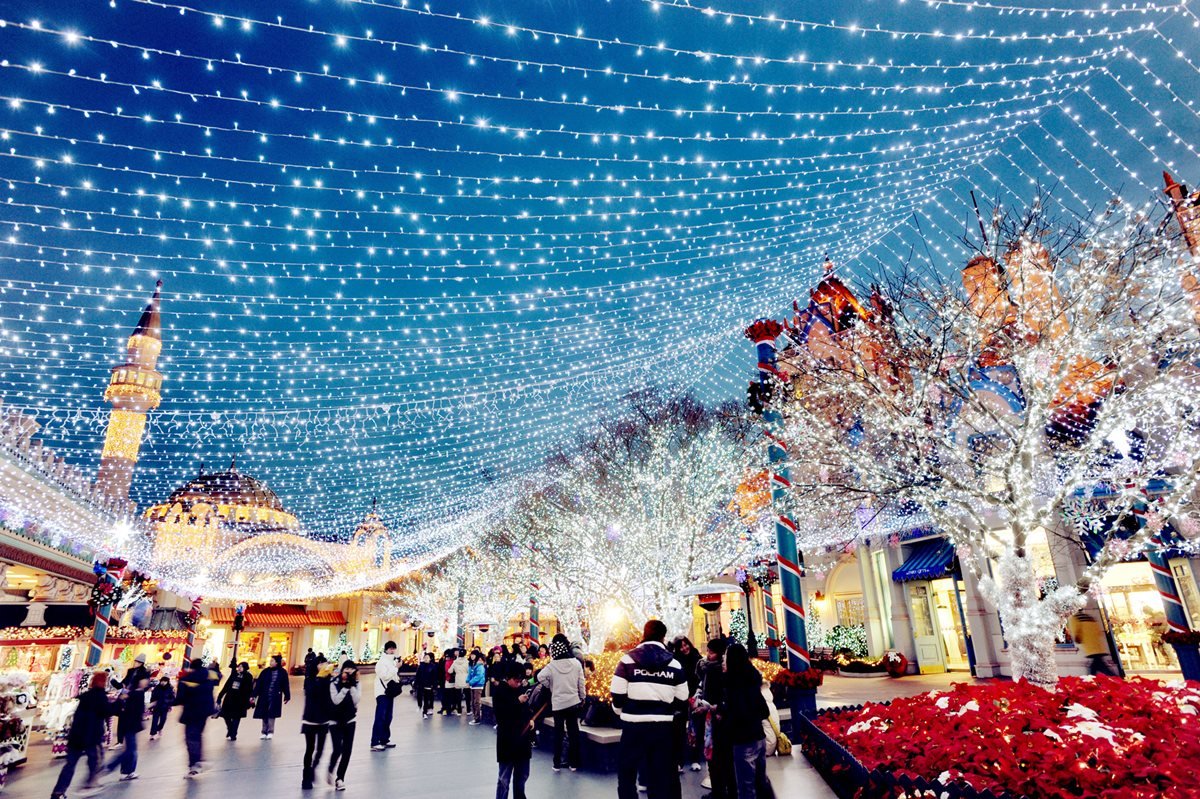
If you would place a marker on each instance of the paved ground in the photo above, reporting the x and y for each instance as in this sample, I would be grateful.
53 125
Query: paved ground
442 756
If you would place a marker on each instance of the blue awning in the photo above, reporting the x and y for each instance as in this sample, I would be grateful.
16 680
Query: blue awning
928 560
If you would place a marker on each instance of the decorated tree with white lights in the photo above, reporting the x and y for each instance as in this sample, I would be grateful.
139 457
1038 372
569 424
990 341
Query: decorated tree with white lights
1053 389
636 512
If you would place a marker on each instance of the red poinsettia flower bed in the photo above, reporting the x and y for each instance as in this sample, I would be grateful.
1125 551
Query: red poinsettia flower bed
1090 737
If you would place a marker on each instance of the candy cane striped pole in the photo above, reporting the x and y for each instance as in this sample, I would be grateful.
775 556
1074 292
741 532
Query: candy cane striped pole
191 632
772 629
1164 581
535 627
763 333
103 615
460 632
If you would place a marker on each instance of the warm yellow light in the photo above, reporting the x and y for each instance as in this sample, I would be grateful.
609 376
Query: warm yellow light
124 436
613 613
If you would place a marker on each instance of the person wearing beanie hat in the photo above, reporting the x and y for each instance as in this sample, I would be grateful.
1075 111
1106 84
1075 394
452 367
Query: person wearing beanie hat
344 691
563 676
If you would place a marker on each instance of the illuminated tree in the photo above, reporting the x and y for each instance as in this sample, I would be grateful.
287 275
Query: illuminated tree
637 512
1056 381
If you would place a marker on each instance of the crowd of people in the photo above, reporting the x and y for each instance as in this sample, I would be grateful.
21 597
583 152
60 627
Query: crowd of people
677 711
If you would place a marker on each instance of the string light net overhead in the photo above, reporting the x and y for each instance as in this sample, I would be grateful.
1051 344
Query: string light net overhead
408 249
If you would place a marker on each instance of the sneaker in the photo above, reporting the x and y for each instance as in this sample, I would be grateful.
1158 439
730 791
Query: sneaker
389 746
270 735
706 782
377 748
472 723
340 785
133 775
641 788
556 769
193 774
696 767
574 769
262 737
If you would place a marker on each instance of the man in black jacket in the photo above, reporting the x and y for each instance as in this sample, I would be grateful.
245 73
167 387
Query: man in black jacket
132 704
86 736
648 689
514 747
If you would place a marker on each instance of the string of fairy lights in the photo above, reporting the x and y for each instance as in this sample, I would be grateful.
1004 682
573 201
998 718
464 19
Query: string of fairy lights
409 250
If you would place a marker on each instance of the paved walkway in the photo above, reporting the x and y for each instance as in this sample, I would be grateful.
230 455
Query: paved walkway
441 756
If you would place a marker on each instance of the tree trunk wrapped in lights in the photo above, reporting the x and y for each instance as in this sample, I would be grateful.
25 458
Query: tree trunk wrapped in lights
1060 375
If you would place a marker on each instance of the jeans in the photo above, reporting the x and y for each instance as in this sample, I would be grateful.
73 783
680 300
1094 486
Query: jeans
314 746
381 730
93 755
648 746
158 719
127 757
426 695
268 726
750 766
231 726
568 717
515 773
193 737
477 704
342 738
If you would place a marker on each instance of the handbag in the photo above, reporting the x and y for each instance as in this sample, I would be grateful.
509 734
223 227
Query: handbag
783 745
392 689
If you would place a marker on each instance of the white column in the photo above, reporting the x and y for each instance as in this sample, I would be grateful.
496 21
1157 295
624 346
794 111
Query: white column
876 638
902 634
984 626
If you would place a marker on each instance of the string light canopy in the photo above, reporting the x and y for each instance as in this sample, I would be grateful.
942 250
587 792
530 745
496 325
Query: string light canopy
409 249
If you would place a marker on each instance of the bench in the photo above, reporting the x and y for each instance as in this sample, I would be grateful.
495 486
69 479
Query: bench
598 745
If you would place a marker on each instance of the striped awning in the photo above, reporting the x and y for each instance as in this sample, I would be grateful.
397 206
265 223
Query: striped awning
279 616
928 560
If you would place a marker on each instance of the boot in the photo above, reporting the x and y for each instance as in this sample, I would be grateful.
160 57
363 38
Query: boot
307 781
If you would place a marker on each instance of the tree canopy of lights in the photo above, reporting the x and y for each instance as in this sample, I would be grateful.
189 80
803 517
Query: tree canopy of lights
1048 392
410 249
635 514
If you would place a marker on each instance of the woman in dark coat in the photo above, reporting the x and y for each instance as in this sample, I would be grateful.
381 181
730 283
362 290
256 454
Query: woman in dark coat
86 736
235 697
271 693
743 712
514 739
425 684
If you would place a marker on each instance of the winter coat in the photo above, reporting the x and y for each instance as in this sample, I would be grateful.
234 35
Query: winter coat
514 742
744 708
564 677
87 727
318 703
344 699
162 696
459 670
427 676
196 695
236 694
648 685
476 675
769 734
133 705
690 663
270 691
387 670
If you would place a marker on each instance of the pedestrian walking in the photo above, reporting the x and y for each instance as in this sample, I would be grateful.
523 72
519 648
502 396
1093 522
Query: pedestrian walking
310 668
514 739
317 718
476 680
563 676
344 692
162 699
648 688
387 688
85 738
196 696
743 711
271 693
131 704
235 698
1090 638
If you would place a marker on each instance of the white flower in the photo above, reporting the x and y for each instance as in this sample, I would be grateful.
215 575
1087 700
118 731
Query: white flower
1078 711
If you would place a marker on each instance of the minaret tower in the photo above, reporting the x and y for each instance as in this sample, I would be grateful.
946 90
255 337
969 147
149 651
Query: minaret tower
134 390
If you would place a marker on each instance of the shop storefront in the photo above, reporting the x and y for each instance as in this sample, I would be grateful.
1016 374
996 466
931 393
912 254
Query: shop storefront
934 592
269 630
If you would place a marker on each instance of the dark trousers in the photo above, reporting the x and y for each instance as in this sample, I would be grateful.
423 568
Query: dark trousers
750 766
158 719
93 755
720 768
449 699
341 736
193 737
381 730
426 695
647 746
127 757
314 746
1102 664
515 773
231 726
569 718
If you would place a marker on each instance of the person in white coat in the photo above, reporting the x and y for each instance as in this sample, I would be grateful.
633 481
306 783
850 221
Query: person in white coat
461 670
563 675
387 688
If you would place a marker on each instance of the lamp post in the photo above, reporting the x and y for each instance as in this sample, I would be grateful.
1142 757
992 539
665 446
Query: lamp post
239 623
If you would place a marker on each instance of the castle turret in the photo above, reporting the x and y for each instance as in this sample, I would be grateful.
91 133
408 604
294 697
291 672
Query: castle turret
1187 212
134 390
